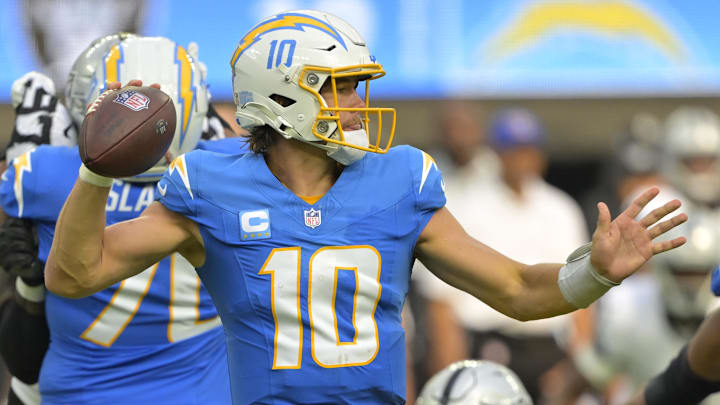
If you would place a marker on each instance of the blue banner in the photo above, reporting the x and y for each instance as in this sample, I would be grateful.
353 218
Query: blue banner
429 48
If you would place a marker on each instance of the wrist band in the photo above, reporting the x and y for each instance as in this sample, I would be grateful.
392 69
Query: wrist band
95 179
30 293
579 282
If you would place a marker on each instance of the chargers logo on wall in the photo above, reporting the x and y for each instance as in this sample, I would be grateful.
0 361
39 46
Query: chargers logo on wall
313 218
133 100
255 224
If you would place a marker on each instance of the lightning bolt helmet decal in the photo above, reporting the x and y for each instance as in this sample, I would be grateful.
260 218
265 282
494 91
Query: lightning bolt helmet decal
285 21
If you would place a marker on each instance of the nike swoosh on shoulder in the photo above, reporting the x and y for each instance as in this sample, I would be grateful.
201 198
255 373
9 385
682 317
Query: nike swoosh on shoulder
162 188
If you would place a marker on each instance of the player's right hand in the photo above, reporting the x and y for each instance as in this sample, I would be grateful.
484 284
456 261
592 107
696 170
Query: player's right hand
19 251
135 83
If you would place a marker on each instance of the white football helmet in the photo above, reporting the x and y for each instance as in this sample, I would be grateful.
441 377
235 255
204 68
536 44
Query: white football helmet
121 58
684 273
637 148
693 133
82 83
292 54
474 382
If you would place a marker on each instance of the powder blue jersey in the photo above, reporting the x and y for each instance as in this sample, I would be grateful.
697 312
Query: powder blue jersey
310 295
154 338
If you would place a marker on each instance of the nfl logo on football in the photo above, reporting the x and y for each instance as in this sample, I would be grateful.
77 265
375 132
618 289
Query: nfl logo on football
133 100
312 218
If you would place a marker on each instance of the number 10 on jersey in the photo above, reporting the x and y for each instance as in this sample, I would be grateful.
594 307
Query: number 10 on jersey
283 265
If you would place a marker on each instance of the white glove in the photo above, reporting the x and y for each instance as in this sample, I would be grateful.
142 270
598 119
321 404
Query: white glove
29 83
40 118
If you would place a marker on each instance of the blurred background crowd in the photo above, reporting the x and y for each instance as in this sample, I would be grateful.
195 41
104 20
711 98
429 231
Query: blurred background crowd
534 110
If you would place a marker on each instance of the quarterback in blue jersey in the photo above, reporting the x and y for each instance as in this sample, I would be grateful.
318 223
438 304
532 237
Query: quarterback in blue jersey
155 337
306 245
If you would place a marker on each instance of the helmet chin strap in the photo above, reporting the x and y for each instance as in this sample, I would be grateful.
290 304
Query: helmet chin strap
347 155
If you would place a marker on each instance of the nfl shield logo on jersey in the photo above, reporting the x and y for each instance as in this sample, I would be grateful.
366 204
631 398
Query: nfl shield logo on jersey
312 218
133 100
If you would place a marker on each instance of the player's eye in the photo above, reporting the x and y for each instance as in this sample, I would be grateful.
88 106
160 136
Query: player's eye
347 88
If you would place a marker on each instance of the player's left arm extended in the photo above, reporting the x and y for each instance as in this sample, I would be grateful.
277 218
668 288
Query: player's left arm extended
526 292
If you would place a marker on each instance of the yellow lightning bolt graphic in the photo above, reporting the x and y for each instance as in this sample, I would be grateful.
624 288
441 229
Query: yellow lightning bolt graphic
179 165
112 68
185 92
614 17
292 21
428 163
22 164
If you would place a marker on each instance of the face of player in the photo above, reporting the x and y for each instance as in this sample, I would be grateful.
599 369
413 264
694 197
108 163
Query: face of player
347 97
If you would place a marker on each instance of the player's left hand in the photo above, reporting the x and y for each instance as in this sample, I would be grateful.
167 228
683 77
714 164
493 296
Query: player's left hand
622 246
19 251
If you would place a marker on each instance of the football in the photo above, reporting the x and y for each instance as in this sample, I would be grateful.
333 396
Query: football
127 131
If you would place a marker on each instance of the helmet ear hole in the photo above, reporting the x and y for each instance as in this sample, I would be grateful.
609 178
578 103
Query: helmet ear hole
282 100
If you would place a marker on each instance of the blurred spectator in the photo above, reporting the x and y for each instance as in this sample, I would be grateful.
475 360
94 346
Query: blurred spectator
510 212
465 156
61 29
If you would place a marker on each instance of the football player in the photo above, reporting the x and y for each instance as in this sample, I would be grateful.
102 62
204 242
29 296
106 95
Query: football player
692 375
153 338
306 245
472 382
691 158
695 372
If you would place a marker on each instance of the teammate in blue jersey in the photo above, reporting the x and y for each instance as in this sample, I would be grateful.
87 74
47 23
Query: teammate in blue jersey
155 337
306 245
